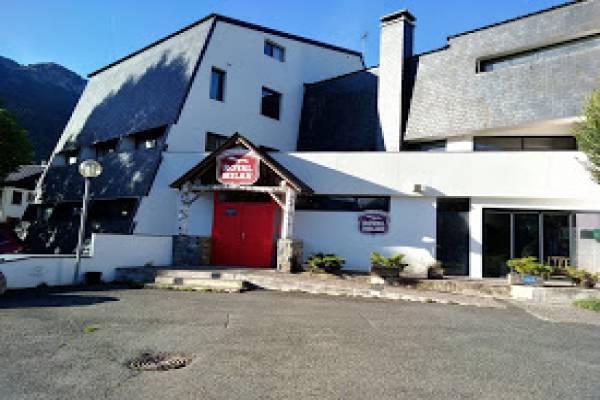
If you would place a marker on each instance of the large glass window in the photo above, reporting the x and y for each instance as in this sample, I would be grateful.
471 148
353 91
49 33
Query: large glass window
527 235
271 103
217 84
541 53
513 234
342 203
436 145
525 143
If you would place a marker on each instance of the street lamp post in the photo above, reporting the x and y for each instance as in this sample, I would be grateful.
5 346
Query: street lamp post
89 169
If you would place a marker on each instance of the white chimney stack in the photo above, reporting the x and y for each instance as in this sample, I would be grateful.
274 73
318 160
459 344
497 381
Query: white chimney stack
396 46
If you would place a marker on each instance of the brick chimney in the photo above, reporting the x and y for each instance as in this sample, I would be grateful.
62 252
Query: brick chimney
396 46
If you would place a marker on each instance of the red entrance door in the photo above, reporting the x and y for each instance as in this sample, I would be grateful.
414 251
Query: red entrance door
242 233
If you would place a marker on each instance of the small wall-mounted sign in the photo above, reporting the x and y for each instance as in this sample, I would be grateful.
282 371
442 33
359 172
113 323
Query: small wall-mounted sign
373 222
238 167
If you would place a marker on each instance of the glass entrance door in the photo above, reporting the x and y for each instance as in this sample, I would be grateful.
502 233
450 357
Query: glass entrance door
496 243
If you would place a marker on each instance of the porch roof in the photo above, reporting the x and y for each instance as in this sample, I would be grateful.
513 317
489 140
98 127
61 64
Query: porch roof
238 140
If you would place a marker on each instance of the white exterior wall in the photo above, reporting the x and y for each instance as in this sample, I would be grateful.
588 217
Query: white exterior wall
239 52
459 144
109 252
411 232
9 210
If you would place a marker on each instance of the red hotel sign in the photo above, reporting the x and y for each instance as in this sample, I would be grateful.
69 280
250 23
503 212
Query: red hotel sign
373 222
238 167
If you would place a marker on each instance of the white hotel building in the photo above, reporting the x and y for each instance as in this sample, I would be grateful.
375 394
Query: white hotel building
465 153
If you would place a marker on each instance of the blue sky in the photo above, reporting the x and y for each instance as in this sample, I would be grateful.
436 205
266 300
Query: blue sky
86 35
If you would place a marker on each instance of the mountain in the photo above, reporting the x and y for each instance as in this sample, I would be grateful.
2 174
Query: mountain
42 98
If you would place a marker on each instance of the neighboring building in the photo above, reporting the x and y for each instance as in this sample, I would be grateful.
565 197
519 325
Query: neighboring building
462 154
17 191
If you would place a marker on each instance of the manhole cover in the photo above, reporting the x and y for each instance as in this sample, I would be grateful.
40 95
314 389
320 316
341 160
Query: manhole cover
159 362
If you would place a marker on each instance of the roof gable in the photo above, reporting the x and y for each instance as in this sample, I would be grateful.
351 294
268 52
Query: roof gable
236 140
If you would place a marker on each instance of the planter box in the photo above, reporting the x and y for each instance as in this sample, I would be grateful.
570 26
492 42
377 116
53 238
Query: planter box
389 274
435 273
514 279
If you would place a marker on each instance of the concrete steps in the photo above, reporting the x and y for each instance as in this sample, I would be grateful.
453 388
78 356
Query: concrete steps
217 281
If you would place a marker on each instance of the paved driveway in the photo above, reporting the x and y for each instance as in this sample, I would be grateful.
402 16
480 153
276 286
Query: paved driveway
266 345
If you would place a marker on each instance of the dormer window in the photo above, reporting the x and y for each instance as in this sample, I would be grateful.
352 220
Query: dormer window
70 156
105 148
539 53
274 50
149 139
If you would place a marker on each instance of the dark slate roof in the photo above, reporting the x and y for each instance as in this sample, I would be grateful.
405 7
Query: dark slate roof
140 93
340 114
25 177
125 174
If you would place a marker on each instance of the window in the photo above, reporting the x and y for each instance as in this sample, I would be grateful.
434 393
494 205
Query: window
70 156
436 145
17 198
271 103
342 203
540 53
217 84
148 139
214 141
274 50
107 147
521 143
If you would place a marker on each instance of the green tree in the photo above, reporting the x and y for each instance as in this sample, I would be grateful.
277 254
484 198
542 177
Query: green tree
15 148
587 133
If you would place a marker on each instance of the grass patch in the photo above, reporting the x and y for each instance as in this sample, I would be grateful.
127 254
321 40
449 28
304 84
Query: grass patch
588 304
90 329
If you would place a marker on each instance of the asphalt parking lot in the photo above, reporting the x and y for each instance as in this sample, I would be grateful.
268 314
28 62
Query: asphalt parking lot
266 345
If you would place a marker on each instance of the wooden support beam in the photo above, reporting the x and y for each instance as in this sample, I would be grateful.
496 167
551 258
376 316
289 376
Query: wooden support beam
277 200
287 223
218 188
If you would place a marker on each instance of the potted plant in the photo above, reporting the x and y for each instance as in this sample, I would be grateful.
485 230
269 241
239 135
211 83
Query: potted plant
529 270
582 278
387 268
324 263
435 271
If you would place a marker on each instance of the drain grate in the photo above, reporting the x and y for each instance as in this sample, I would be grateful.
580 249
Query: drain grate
159 362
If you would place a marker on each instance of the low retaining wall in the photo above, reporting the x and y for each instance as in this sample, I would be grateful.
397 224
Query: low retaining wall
552 295
108 252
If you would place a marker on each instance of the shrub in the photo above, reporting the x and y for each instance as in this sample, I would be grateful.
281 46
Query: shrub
579 275
393 261
529 266
589 304
320 262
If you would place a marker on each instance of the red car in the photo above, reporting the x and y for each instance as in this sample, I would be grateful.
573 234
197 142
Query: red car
9 242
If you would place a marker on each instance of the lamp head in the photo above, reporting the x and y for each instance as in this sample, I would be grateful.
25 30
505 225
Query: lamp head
90 169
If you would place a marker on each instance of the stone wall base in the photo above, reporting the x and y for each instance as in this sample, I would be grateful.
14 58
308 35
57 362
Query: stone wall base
191 251
289 255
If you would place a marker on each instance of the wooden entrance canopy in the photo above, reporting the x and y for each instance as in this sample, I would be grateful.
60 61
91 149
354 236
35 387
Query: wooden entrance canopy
274 179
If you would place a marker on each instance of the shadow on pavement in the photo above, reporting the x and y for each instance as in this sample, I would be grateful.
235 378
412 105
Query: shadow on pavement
59 297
